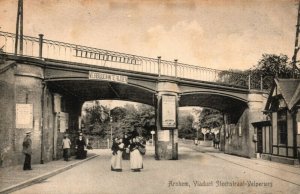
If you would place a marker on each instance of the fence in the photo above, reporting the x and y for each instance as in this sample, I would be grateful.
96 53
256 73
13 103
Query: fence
49 49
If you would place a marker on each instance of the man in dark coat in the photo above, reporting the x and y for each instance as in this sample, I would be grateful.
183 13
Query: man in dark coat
80 146
27 150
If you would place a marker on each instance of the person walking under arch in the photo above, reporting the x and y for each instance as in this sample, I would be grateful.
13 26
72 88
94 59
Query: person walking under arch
66 145
114 149
80 146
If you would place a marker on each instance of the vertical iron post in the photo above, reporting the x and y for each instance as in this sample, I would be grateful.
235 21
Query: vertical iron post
176 65
21 27
261 82
294 58
159 65
17 28
41 45
249 81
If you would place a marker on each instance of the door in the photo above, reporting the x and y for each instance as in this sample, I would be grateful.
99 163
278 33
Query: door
259 140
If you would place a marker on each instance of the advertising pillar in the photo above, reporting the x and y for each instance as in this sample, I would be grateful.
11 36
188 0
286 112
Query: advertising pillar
166 144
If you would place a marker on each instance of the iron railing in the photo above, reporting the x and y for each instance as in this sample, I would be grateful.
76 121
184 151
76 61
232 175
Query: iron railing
49 49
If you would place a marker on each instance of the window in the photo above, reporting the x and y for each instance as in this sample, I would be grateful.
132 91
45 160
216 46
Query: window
282 126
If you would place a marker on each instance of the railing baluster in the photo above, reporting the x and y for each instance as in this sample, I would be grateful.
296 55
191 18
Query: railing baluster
124 61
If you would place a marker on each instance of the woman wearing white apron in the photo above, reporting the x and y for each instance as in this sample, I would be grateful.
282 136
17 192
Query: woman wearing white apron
118 166
136 159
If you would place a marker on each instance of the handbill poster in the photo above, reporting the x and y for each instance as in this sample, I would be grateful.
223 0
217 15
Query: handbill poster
24 116
168 111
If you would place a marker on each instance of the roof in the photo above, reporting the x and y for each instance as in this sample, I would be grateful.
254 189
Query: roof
290 91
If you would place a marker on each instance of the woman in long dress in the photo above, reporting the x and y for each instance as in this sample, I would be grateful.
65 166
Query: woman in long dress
118 166
136 159
114 149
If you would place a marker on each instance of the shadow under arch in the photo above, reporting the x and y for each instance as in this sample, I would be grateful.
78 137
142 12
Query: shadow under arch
229 104
87 90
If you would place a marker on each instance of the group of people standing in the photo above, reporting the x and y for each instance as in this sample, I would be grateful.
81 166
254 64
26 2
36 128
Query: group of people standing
131 149
80 147
125 148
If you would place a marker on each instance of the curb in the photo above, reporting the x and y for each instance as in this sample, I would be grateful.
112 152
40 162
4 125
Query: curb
43 177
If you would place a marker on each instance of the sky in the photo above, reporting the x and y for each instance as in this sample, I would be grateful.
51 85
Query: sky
219 34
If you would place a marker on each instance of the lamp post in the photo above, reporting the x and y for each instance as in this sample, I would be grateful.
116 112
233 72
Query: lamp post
110 120
152 133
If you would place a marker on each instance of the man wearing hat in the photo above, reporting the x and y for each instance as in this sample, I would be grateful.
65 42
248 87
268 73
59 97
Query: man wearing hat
27 150
80 146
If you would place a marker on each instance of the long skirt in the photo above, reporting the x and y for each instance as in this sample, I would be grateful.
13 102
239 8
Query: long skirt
113 161
116 161
136 160
126 155
66 153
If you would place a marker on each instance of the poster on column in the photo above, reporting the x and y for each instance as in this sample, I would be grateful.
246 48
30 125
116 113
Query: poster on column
168 111
63 122
24 116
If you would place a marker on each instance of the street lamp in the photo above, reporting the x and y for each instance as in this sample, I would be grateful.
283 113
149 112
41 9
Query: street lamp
110 120
152 133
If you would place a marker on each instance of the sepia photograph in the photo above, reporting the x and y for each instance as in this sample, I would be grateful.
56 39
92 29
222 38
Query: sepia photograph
149 96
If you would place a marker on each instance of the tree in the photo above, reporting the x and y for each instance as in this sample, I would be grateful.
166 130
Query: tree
274 65
96 119
185 127
208 120
268 67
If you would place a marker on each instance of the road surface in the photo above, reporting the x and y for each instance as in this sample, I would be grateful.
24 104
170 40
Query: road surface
194 172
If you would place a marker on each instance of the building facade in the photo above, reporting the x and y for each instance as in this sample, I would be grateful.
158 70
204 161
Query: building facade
278 138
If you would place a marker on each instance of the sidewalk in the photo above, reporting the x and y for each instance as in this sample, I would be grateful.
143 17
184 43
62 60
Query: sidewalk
285 172
14 178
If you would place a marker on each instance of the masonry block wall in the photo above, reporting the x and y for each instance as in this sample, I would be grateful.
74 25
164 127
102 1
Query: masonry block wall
239 136
7 127
23 84
48 132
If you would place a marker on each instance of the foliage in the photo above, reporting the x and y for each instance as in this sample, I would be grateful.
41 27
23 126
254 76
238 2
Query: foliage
268 67
185 127
274 65
234 77
138 120
210 118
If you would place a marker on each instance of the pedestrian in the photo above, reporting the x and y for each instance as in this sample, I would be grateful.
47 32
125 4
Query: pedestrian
136 159
80 146
66 145
114 149
27 151
217 142
126 152
118 166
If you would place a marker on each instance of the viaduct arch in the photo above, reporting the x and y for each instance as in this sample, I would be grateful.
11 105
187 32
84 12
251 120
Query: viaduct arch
56 87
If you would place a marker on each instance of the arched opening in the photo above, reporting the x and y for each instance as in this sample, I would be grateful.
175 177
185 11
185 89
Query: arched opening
221 123
102 120
72 97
